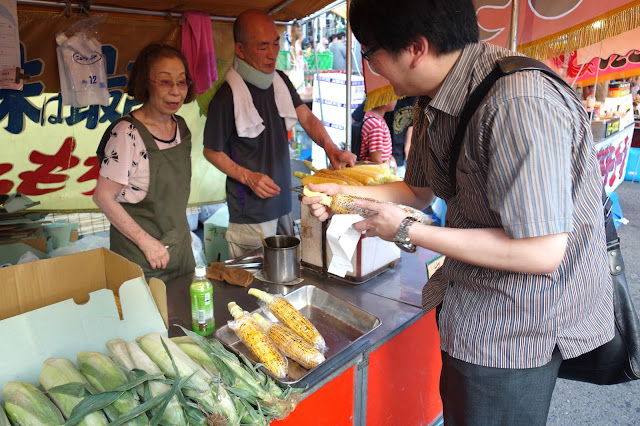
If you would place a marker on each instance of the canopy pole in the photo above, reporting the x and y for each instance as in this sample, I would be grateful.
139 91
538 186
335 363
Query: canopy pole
125 10
347 104
513 31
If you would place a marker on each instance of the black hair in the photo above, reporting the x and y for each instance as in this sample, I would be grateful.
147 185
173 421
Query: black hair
340 34
448 25
138 84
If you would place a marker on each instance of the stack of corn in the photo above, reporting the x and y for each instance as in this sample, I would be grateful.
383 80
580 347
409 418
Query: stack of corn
288 315
290 344
360 174
193 395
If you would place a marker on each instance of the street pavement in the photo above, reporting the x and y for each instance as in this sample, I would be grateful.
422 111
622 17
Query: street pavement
576 403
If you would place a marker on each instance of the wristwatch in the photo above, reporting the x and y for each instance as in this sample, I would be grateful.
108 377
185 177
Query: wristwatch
402 239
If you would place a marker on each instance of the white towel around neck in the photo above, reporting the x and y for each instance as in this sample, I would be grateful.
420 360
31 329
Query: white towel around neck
248 120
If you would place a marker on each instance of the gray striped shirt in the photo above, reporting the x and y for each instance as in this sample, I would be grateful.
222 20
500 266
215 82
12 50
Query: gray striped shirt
527 165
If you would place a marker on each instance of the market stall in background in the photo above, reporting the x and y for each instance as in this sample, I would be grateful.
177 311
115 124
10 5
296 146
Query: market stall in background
381 359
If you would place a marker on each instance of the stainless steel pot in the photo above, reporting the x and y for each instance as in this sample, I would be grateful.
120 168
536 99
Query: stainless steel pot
281 259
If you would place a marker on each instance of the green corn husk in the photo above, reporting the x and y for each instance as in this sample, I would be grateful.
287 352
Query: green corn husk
4 421
27 405
57 372
247 381
196 353
104 375
129 356
201 386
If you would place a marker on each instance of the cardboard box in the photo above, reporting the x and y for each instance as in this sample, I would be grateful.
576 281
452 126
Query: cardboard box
61 306
216 248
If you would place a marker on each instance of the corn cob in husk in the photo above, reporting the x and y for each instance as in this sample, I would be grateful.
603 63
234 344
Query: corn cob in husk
4 421
201 386
346 204
250 333
289 316
129 356
336 174
105 375
27 405
196 353
61 371
290 344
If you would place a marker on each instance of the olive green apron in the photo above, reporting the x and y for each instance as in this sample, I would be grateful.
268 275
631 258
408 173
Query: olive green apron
162 212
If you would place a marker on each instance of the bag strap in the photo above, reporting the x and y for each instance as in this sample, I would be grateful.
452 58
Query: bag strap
504 66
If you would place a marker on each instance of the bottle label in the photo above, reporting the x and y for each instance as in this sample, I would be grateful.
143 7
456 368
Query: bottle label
202 319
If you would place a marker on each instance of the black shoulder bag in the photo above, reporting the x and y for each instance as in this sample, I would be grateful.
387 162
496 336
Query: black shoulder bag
614 362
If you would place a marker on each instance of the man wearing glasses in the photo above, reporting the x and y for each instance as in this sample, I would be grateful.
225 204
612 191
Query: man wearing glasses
245 135
526 281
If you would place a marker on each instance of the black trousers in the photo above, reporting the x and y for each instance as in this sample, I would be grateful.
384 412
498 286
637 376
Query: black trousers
476 395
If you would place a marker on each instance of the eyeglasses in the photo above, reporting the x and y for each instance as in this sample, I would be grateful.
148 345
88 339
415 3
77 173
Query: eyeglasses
168 84
368 53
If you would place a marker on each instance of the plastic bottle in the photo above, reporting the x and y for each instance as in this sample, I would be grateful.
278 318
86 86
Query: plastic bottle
591 101
201 290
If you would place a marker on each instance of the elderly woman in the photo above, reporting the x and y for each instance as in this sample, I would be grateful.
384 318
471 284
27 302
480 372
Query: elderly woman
145 168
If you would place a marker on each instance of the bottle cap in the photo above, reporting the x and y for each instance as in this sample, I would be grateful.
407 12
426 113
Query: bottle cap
201 271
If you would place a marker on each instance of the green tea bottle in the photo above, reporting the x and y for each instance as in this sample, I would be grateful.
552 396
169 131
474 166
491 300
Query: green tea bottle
201 290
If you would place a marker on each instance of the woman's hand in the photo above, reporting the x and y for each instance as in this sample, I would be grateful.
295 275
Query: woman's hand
320 211
155 252
384 223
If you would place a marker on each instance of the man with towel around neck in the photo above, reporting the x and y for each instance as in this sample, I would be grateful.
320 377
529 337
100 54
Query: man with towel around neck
245 135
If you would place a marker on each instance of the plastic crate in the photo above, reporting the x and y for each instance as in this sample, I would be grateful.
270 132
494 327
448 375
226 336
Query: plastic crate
284 60
633 165
325 61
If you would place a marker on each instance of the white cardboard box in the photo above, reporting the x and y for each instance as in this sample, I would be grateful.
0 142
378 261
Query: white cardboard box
61 306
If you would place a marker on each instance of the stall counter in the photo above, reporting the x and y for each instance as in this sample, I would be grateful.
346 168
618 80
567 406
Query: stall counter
390 376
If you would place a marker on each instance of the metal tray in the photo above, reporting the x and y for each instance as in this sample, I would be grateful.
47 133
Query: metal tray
342 324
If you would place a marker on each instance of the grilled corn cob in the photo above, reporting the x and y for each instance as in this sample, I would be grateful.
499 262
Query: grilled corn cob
105 375
337 175
321 179
364 177
26 405
61 371
257 341
289 316
290 344
346 204
129 356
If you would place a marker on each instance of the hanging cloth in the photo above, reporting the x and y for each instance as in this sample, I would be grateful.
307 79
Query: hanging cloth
197 46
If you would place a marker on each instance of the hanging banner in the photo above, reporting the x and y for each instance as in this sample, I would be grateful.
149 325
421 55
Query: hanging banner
614 58
613 153
48 150
549 28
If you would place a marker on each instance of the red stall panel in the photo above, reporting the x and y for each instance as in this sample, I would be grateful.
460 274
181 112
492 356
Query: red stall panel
404 376
331 405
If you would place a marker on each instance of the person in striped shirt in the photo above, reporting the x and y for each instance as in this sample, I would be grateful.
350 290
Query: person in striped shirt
376 137
525 282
